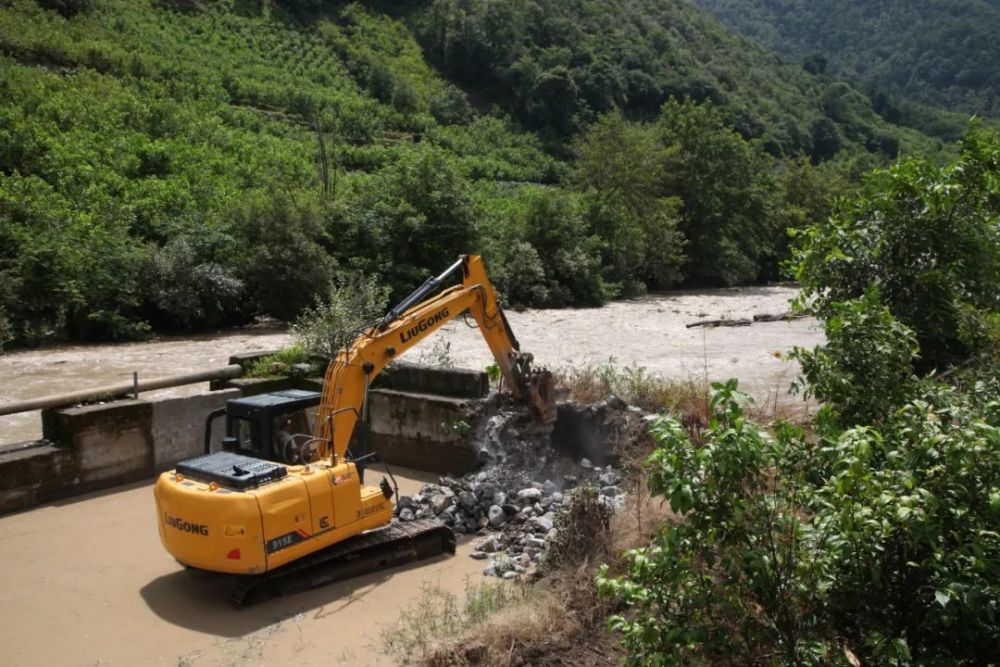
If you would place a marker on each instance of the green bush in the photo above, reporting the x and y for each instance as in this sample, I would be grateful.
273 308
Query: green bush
278 364
864 372
339 316
874 544
928 239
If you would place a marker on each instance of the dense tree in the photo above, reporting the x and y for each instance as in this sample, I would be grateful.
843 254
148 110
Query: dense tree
928 239
620 167
726 189
930 52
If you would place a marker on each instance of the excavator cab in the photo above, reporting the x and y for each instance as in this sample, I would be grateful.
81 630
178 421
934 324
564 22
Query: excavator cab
277 426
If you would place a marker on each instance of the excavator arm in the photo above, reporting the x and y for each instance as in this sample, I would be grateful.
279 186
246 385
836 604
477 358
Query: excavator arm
349 376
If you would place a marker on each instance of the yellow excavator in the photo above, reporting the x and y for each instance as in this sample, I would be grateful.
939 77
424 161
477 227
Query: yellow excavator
288 527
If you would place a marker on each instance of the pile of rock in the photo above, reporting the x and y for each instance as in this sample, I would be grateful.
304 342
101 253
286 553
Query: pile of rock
517 517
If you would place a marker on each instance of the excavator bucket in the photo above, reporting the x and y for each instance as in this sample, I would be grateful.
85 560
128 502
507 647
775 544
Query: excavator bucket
542 395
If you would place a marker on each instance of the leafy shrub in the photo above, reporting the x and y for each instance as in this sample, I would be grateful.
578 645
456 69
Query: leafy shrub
190 292
731 582
928 239
864 371
279 363
875 544
336 318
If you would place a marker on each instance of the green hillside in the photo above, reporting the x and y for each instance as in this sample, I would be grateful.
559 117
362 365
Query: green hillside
935 53
554 64
169 165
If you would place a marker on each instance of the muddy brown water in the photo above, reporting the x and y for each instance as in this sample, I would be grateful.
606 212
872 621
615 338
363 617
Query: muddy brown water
648 332
86 581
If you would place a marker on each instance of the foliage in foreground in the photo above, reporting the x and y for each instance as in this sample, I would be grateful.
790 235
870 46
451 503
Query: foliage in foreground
872 537
876 544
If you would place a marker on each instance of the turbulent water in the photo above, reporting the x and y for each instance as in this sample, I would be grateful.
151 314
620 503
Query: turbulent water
650 332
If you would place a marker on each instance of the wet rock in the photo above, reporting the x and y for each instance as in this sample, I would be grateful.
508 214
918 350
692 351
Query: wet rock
529 495
467 499
489 545
535 543
543 523
497 517
486 490
610 478
442 500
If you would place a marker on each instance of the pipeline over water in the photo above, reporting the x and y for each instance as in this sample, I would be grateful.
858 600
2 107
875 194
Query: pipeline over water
118 390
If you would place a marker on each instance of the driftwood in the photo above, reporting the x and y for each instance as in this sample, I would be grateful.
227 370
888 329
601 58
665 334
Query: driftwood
743 322
721 323
781 317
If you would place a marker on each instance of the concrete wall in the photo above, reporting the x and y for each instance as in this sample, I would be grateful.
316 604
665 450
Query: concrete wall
99 446
178 426
422 431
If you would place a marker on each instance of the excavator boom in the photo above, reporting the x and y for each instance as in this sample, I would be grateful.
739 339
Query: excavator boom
414 319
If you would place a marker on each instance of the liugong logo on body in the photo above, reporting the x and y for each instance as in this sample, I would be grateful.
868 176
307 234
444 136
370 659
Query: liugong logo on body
184 526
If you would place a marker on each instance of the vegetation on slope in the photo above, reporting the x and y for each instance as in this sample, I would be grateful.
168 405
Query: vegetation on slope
938 54
556 64
183 165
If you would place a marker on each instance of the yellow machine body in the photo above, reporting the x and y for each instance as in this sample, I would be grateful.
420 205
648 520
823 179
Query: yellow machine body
212 527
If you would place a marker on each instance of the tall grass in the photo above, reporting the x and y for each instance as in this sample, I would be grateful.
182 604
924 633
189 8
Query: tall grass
439 615
637 386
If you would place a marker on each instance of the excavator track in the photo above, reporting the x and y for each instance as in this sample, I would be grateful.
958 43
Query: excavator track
393 545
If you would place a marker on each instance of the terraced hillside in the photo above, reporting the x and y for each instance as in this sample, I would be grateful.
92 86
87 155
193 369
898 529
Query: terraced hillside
185 164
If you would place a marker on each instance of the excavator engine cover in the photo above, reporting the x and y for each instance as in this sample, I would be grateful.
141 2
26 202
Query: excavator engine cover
233 471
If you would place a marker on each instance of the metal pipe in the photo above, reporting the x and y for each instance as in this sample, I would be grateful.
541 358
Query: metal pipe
117 390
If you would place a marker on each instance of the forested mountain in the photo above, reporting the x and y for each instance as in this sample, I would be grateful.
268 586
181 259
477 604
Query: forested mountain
939 53
555 63
182 164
